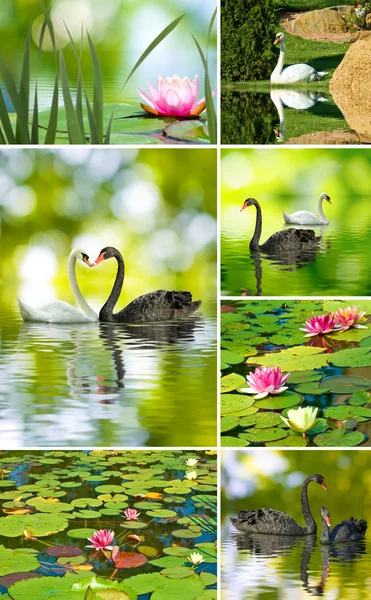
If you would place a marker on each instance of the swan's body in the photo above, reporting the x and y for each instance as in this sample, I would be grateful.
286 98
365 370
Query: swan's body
160 305
351 530
299 73
304 217
275 522
57 311
281 241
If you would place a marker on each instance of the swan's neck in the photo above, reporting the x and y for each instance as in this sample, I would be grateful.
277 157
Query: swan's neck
254 244
320 209
311 526
281 61
79 298
106 312
325 533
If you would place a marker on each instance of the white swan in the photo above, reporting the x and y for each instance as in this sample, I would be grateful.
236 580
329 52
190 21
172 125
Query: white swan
295 73
299 100
56 311
304 217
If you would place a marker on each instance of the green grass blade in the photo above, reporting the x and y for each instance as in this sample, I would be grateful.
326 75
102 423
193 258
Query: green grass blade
24 87
35 120
109 127
22 115
73 125
211 24
79 109
210 109
4 117
49 25
94 136
2 138
53 117
41 40
98 91
164 33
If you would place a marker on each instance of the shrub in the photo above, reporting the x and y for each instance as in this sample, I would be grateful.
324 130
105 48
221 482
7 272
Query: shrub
359 17
248 30
247 118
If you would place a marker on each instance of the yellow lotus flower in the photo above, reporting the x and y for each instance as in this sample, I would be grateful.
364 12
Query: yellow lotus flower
195 558
191 462
191 475
301 419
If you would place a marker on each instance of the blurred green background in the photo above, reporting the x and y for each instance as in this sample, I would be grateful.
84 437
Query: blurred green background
281 567
158 208
121 31
292 180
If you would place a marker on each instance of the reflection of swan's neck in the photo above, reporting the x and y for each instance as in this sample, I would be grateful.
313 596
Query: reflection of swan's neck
80 300
320 209
281 61
277 101
311 526
325 533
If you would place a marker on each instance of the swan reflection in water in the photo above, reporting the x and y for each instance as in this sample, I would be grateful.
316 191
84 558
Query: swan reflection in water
265 547
302 100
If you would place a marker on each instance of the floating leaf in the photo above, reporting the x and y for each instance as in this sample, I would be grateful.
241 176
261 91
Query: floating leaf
15 561
231 358
360 398
129 560
339 438
186 533
231 403
291 440
230 382
285 400
259 436
261 420
231 442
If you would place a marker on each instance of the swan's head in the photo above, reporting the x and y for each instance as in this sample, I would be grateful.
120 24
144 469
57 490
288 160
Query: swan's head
325 515
325 197
248 202
279 38
320 480
104 254
81 255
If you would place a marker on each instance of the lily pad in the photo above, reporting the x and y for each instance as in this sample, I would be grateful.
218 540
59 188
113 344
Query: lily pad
232 442
339 438
231 403
360 398
15 561
38 525
230 382
186 533
261 420
259 436
285 400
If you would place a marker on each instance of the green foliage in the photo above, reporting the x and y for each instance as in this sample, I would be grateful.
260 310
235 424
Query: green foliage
248 29
247 118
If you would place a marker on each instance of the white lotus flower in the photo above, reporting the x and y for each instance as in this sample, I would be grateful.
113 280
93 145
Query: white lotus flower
301 419
195 558
191 462
191 475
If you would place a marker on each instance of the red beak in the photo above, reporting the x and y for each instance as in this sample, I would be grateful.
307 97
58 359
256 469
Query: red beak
99 260
243 207
324 486
327 519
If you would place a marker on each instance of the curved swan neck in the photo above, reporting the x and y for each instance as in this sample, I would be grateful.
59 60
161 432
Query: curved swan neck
79 298
106 312
254 244
281 61
320 208
311 526
325 533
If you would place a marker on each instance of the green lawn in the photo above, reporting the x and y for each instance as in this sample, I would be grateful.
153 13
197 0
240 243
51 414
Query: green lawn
289 5
323 56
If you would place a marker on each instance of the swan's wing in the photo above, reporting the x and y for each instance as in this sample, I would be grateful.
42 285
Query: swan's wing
304 217
54 311
296 73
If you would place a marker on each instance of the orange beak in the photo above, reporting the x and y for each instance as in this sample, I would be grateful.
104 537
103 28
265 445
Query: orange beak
327 519
243 207
276 41
87 261
324 486
99 260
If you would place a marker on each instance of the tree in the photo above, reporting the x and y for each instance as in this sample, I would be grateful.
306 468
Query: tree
248 31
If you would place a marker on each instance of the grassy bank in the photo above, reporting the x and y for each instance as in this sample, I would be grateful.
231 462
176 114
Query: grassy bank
293 5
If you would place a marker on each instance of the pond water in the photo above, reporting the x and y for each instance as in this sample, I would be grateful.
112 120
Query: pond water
329 372
276 116
279 568
106 385
338 266
83 492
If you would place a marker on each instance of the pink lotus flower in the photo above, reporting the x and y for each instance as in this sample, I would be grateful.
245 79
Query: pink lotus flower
319 325
174 97
102 539
264 381
349 317
131 514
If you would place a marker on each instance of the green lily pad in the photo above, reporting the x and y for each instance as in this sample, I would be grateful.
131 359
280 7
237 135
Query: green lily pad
339 438
178 572
186 533
230 382
232 442
231 358
346 412
231 403
228 423
16 561
345 384
38 525
134 525
301 377
312 389
351 357
360 398
285 400
261 420
161 514
81 534
297 358
292 440
260 436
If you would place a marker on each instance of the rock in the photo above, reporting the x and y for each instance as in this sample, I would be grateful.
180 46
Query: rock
350 86
326 20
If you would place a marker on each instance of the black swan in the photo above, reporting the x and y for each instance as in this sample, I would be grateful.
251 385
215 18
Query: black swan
346 531
160 305
281 241
275 522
